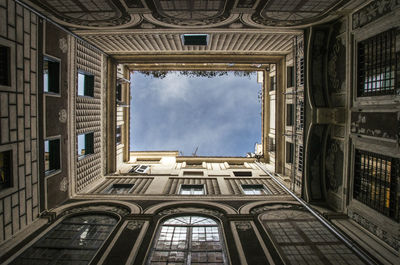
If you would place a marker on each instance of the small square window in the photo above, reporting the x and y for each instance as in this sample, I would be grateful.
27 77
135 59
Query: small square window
192 189
85 144
51 155
5 169
242 173
119 92
51 75
85 84
290 76
195 39
257 189
118 135
5 66
193 173
141 169
119 188
289 114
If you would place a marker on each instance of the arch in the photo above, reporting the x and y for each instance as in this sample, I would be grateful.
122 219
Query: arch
189 237
74 240
185 207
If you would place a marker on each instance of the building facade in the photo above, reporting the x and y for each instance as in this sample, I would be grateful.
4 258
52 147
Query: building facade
324 190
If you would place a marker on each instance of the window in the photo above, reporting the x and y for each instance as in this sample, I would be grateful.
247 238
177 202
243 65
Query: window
242 173
289 152
139 169
300 161
119 188
73 241
290 76
377 65
300 114
5 169
51 75
5 66
289 114
195 39
118 135
85 144
255 189
85 84
300 66
193 173
119 92
192 189
272 83
271 144
376 181
188 240
51 155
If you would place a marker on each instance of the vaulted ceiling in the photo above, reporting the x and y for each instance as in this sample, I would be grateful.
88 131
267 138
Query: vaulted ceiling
155 26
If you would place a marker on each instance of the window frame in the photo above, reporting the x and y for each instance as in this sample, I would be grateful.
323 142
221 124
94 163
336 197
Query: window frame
188 250
53 59
85 91
92 148
14 170
263 188
11 87
52 172
192 187
112 186
290 76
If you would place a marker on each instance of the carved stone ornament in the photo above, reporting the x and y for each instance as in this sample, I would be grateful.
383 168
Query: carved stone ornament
133 225
270 207
63 45
243 225
62 116
373 11
64 184
121 211
193 210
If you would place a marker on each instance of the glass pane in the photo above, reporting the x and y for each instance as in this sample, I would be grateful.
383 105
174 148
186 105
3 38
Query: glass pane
81 84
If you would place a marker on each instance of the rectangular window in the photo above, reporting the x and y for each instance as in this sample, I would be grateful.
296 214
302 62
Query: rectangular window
119 188
289 114
140 169
193 173
376 182
377 65
254 189
195 39
290 76
85 144
300 114
300 161
271 144
51 75
85 84
5 66
119 92
51 155
300 66
242 173
272 83
289 152
118 135
5 169
192 189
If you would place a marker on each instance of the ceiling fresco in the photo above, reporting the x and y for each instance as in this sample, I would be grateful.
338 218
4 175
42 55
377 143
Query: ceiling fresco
159 14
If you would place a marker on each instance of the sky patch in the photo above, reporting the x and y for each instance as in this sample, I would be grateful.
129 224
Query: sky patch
220 115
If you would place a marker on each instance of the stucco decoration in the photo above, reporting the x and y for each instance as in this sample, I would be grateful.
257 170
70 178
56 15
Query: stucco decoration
334 165
96 13
63 45
64 184
293 13
377 124
190 210
390 237
373 11
336 62
62 116
274 206
134 224
119 210
190 13
243 225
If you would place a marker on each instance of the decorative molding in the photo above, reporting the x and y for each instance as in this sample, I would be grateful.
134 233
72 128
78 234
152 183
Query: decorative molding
63 184
243 225
389 237
119 210
193 210
63 45
373 11
62 116
271 207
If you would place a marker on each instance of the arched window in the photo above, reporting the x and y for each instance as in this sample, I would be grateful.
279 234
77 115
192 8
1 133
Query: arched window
188 240
73 241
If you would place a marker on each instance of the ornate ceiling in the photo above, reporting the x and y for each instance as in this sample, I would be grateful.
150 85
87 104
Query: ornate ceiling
183 14
155 26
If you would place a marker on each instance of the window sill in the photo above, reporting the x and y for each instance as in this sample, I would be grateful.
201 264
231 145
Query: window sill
84 157
51 94
51 173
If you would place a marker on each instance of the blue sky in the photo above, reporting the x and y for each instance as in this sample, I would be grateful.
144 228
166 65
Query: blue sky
220 115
